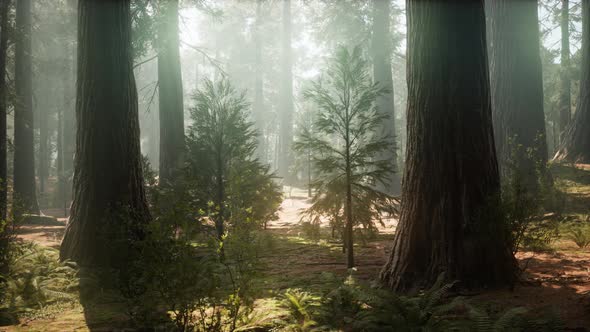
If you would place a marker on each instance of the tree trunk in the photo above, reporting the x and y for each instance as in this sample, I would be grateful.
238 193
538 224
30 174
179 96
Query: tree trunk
69 115
171 104
381 49
286 96
25 195
451 175
258 86
565 100
576 143
43 142
517 87
4 9
109 207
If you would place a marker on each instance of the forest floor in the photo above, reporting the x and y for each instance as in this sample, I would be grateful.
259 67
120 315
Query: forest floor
558 279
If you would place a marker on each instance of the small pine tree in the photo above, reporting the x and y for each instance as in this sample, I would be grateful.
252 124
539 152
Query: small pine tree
222 142
345 146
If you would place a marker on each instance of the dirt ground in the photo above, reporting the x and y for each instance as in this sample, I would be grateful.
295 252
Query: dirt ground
558 281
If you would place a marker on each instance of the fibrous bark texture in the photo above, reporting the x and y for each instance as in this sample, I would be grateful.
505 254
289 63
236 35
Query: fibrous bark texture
109 207
171 105
25 196
517 87
381 51
451 176
576 142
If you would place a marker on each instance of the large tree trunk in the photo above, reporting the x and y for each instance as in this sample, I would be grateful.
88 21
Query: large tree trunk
69 114
381 49
171 104
66 118
258 86
451 176
576 142
565 100
286 96
25 195
4 6
109 205
517 87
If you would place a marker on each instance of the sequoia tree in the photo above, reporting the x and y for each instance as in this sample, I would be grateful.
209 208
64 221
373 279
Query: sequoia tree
381 51
576 142
451 176
258 106
565 99
4 9
24 149
109 200
286 95
171 103
517 87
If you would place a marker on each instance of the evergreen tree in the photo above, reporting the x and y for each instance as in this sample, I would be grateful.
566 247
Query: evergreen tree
171 105
381 53
451 175
517 88
4 11
24 150
109 207
345 146
222 164
576 143
286 95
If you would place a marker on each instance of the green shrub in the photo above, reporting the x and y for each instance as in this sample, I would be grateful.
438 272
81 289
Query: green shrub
578 232
37 278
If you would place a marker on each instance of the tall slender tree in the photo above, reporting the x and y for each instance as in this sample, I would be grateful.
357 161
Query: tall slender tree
286 95
381 51
451 172
109 198
258 106
24 149
576 142
517 87
171 104
565 99
4 10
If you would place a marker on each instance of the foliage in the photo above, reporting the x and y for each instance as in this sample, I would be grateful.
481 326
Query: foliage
526 197
221 163
578 232
353 306
175 271
344 145
36 279
300 307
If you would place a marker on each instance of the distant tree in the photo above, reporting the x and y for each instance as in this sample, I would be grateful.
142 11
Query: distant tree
517 87
109 207
286 95
221 158
171 104
24 148
4 11
576 143
381 53
345 146
565 98
451 174
258 106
